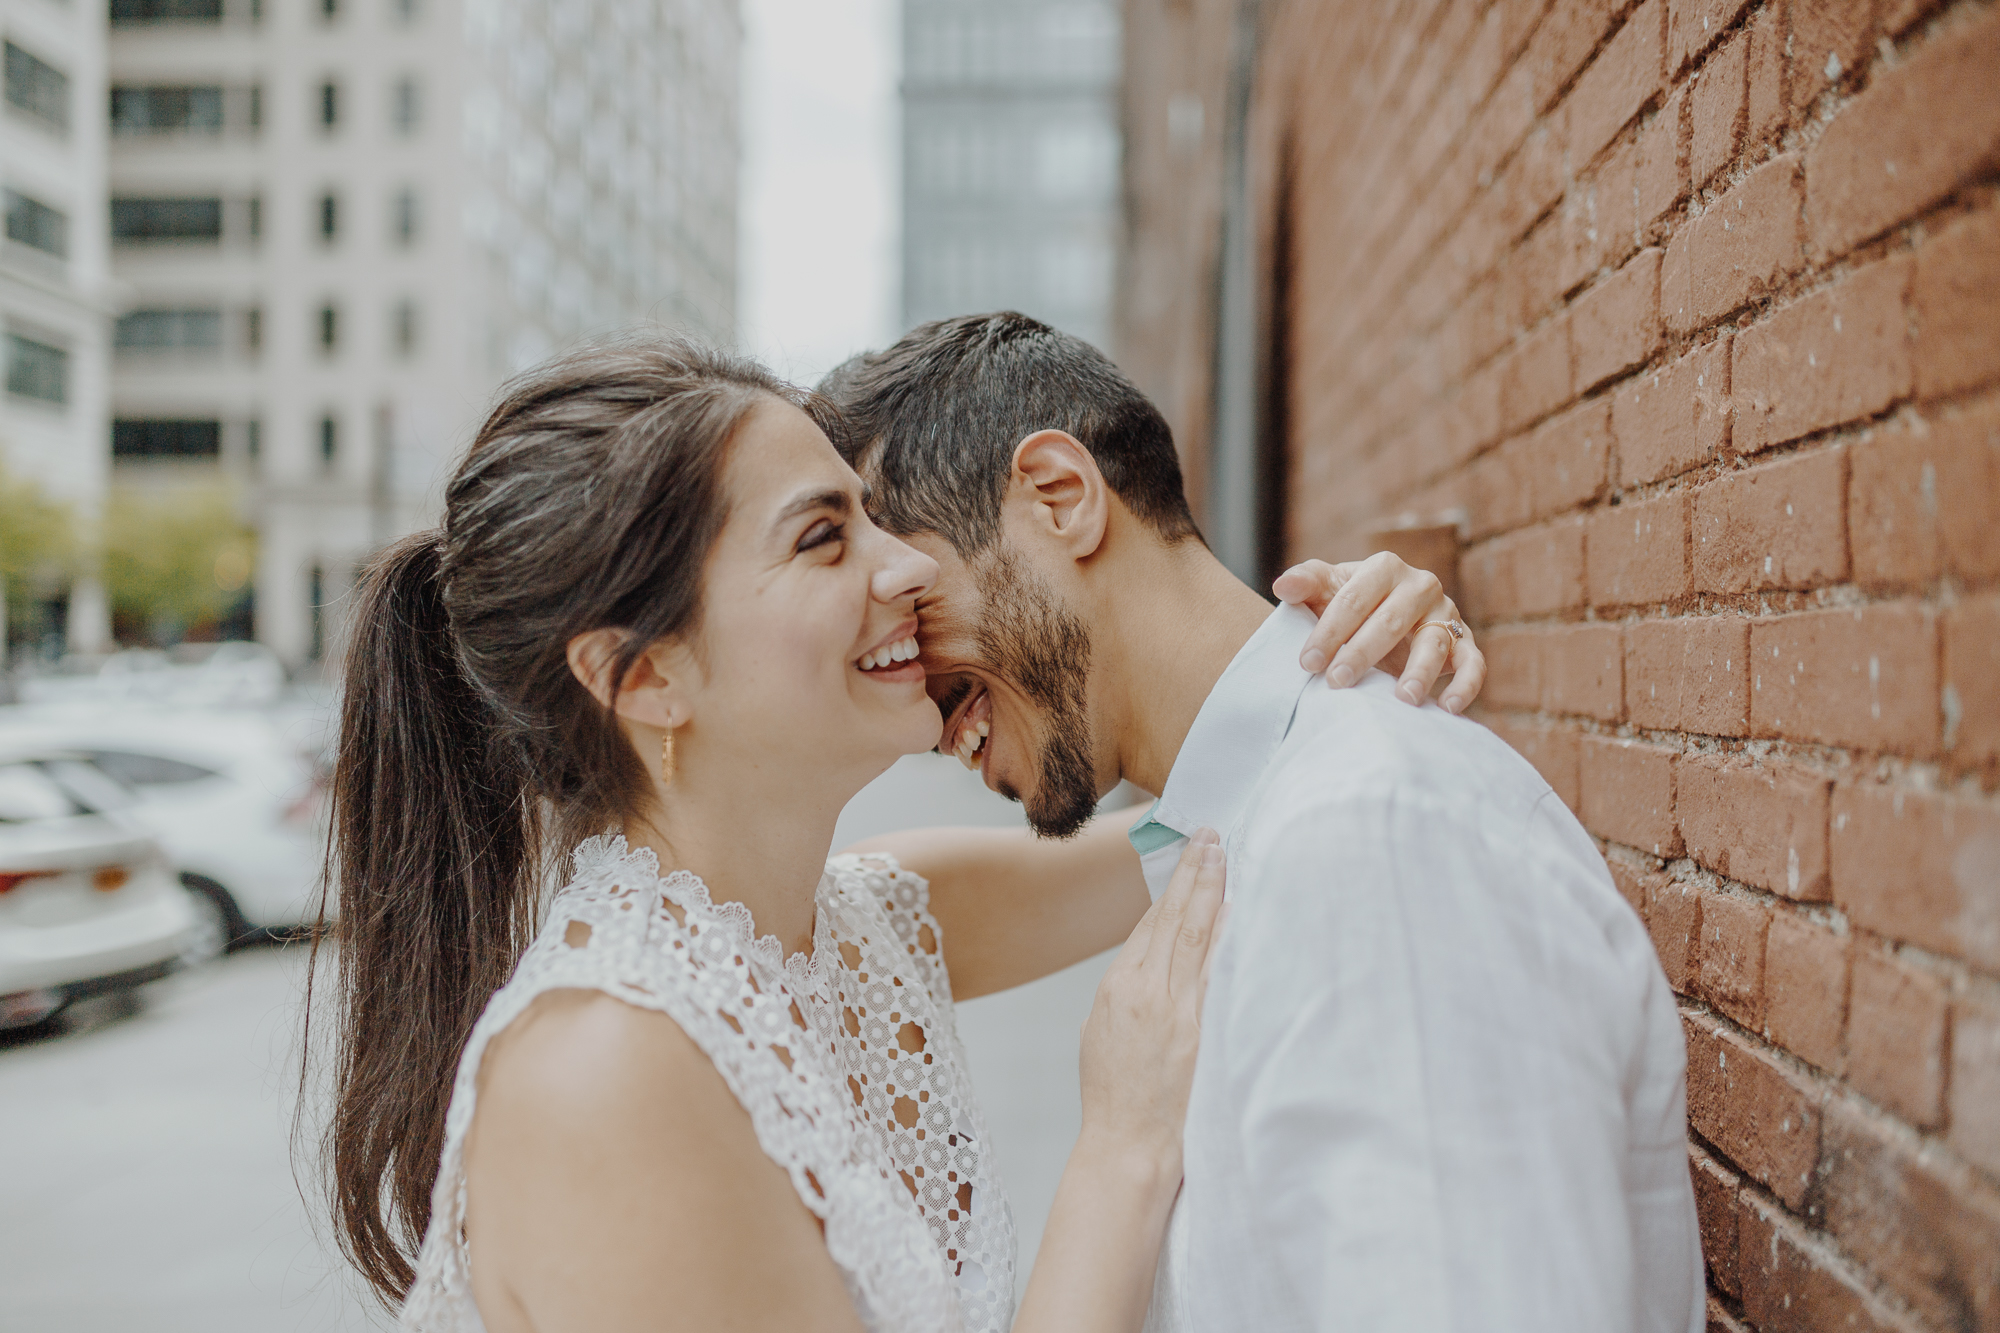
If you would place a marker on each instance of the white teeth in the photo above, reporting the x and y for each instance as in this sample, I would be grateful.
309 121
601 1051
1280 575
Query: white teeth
903 650
984 729
867 661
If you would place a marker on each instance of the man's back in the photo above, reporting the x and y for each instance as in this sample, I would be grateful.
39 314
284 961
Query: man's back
1442 1077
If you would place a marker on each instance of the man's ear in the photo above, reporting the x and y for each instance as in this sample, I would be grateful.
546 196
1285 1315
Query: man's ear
649 694
1066 498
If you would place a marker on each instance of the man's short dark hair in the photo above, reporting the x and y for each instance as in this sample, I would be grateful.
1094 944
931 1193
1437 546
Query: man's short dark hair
932 423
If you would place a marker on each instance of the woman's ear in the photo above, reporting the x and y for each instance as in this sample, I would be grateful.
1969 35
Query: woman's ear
648 693
1066 498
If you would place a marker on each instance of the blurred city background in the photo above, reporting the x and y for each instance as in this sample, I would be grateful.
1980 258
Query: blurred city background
266 262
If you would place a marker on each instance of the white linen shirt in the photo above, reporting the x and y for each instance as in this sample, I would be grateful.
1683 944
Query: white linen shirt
1442 1081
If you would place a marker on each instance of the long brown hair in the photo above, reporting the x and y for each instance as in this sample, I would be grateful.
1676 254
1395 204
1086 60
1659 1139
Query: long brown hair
468 751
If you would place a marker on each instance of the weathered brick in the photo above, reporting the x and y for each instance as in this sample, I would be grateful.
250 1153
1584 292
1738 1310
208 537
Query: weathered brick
1972 679
1920 867
1767 108
1513 667
1839 355
1731 972
1534 380
1690 673
1921 501
1956 292
1693 25
1618 83
1719 1320
1828 38
1914 1217
1795 1283
1673 918
1563 41
1761 823
1662 179
1568 459
1715 1206
1583 671
1866 677
1548 568
1551 749
1761 1116
1742 247
1975 1080
1637 553
1805 989
1896 1023
1634 883
1921 127
1628 793
1616 324
1669 420
1715 116
1775 526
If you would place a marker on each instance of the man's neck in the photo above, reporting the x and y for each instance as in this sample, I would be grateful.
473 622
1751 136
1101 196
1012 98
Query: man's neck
1173 628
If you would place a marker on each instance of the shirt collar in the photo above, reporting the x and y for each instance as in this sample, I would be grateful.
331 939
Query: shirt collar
1239 728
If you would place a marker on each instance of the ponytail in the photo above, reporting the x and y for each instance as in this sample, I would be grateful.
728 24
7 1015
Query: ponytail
433 850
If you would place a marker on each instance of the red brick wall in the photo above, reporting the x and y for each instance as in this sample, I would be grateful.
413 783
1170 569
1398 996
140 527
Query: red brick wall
1687 314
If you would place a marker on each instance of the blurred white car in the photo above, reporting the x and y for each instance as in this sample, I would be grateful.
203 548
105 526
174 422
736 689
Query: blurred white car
236 804
87 901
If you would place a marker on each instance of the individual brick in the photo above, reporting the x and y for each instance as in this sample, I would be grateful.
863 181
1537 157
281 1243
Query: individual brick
1975 1080
1669 420
1743 246
1567 459
1662 178
1762 824
1760 1115
1775 526
1583 671
1513 667
1866 677
1693 25
1839 355
1562 42
1956 292
1805 989
1715 1207
1597 218
1920 128
1914 1217
1673 919
1618 83
1828 38
1767 108
1794 1283
1637 553
1972 679
1921 500
1534 379
1628 793
1897 1018
1548 568
1715 113
1731 972
1616 324
1919 867
1690 673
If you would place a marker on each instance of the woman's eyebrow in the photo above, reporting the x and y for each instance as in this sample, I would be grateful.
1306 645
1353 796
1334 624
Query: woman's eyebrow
833 498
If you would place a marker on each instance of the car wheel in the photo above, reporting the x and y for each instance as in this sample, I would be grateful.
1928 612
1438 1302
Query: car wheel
222 925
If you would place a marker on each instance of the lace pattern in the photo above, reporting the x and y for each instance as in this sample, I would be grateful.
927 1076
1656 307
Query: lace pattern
847 1061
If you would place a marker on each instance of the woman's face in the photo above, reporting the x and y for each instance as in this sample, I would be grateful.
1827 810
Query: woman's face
808 639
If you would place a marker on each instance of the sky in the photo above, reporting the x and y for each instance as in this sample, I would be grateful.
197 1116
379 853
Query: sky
818 271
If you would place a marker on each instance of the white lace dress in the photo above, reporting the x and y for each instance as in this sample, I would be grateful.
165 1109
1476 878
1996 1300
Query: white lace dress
848 1062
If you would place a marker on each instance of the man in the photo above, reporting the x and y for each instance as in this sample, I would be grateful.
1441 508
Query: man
1442 1080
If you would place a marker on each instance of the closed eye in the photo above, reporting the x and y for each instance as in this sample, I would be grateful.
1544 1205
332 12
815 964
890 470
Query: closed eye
821 533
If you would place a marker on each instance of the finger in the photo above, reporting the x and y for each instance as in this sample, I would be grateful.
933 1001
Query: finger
1428 651
1197 932
1172 907
1417 597
1468 676
1311 582
1208 963
1375 579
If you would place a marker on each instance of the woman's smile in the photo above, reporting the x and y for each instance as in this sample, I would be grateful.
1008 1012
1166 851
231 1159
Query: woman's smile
894 658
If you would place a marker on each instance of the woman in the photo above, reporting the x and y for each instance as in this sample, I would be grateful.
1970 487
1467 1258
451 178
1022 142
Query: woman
727 1099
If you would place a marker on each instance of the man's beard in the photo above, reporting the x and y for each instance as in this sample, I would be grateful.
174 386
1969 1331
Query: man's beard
1043 649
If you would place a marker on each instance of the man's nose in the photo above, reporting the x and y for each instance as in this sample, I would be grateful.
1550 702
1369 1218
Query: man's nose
906 572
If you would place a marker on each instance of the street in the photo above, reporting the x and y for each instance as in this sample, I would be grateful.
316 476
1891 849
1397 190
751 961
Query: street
146 1170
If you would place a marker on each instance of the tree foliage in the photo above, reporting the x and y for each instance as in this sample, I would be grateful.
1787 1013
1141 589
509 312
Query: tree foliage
174 559
39 547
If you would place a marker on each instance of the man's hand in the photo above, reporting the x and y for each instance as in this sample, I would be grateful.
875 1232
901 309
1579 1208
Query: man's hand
1373 612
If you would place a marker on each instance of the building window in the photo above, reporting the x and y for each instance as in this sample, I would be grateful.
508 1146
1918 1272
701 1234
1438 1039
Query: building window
140 220
329 440
407 11
170 331
405 217
166 11
406 328
38 88
253 438
316 607
32 222
329 217
166 110
329 105
166 438
253 329
37 370
405 107
329 329
253 216
329 10
256 108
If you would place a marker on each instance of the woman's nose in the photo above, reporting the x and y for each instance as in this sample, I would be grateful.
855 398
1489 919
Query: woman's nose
905 572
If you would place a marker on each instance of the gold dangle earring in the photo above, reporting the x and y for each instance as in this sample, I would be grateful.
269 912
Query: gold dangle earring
667 758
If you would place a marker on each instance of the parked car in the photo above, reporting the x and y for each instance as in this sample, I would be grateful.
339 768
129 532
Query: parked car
88 903
237 805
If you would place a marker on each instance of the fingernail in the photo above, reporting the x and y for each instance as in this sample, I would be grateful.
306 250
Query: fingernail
1454 705
1204 836
1211 855
1341 676
1313 660
1411 694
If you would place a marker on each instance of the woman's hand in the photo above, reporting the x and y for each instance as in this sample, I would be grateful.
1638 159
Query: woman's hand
1375 612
